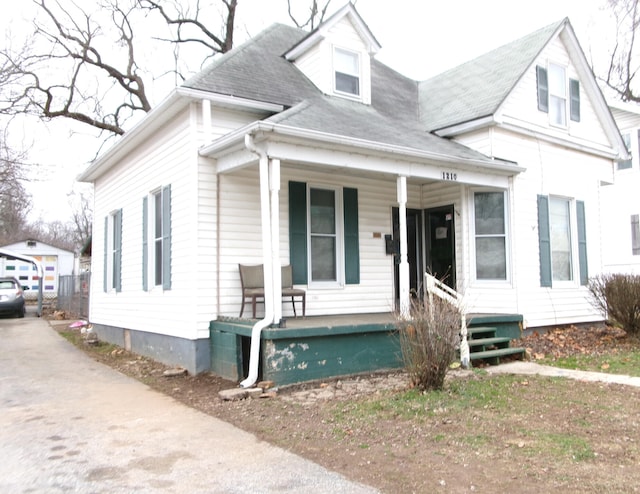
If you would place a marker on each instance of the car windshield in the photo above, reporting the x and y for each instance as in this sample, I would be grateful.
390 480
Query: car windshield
7 285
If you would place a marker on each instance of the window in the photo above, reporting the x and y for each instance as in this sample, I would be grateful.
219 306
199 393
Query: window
490 235
347 71
323 234
552 84
562 228
557 96
113 251
626 164
635 234
156 238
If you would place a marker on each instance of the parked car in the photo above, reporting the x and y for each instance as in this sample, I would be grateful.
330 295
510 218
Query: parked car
11 297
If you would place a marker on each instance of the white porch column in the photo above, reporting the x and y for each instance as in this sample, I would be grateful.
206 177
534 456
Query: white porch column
274 186
265 214
403 268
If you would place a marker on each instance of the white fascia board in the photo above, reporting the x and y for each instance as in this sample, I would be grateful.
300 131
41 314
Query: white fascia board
269 133
321 32
177 100
585 147
230 101
465 127
598 100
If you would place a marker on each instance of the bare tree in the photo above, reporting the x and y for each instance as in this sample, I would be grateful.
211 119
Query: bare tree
623 60
84 65
15 202
315 14
82 219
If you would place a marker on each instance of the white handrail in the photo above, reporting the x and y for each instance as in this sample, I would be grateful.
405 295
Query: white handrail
445 292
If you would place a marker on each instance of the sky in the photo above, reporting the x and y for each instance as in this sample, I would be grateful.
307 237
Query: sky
419 38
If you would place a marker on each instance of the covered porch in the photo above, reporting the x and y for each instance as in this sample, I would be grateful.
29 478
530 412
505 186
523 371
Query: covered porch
325 347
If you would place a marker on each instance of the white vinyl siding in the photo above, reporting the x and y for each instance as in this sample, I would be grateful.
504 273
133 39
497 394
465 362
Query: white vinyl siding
240 239
166 157
550 169
318 63
520 109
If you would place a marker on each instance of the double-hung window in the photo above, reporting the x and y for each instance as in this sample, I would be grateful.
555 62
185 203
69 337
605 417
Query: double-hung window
324 245
156 238
557 94
560 236
346 66
113 251
490 232
562 241
323 234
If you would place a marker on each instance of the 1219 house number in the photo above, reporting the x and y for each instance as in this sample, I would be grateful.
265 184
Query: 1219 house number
449 176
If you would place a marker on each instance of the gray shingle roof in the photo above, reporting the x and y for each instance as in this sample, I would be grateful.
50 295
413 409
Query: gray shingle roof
477 88
402 110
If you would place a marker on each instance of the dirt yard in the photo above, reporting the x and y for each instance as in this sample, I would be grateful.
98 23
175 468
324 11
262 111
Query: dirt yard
481 434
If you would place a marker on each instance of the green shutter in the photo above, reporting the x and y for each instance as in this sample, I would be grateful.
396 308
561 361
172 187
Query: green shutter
145 245
574 99
582 243
543 89
117 267
105 257
351 236
166 237
544 239
298 231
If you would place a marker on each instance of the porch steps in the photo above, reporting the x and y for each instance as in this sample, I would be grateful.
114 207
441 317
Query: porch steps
485 345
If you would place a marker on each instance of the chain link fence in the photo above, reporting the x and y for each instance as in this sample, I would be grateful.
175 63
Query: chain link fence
73 294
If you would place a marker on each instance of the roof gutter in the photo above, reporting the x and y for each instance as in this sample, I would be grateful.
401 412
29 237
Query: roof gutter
231 140
177 100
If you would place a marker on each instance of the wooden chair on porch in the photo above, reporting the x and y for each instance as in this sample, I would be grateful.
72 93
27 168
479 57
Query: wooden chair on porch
252 281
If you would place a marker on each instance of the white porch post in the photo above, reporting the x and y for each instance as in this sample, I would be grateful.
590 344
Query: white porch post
403 268
274 186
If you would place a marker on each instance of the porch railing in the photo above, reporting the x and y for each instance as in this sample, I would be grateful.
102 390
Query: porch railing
436 287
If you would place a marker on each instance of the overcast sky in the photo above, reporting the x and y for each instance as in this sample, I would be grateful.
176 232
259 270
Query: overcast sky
419 38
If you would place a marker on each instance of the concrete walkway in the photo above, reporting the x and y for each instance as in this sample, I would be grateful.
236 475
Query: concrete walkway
70 424
533 368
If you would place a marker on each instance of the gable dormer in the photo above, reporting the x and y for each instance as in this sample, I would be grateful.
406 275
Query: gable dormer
336 56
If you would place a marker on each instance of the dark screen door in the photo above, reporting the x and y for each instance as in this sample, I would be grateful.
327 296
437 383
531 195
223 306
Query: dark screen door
440 234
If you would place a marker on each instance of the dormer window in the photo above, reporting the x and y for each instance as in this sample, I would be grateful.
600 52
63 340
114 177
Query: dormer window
347 71
553 87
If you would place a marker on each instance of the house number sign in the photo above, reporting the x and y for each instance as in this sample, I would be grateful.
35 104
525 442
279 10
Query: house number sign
450 176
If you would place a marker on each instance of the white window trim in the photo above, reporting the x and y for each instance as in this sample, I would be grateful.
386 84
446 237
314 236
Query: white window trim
151 240
634 149
110 251
566 95
507 235
573 238
356 97
339 212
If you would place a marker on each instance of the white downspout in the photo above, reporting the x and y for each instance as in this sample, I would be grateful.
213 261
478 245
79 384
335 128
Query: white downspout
265 219
403 268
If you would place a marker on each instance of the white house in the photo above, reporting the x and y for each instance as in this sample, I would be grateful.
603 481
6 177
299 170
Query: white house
301 148
621 200
54 261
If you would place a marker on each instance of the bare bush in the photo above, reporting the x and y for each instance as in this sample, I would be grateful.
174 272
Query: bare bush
617 297
428 339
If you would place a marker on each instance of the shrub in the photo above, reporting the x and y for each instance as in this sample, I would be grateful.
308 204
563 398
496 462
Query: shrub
617 297
428 339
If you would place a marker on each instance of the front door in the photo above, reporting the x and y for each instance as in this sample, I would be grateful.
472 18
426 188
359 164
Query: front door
441 259
414 242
